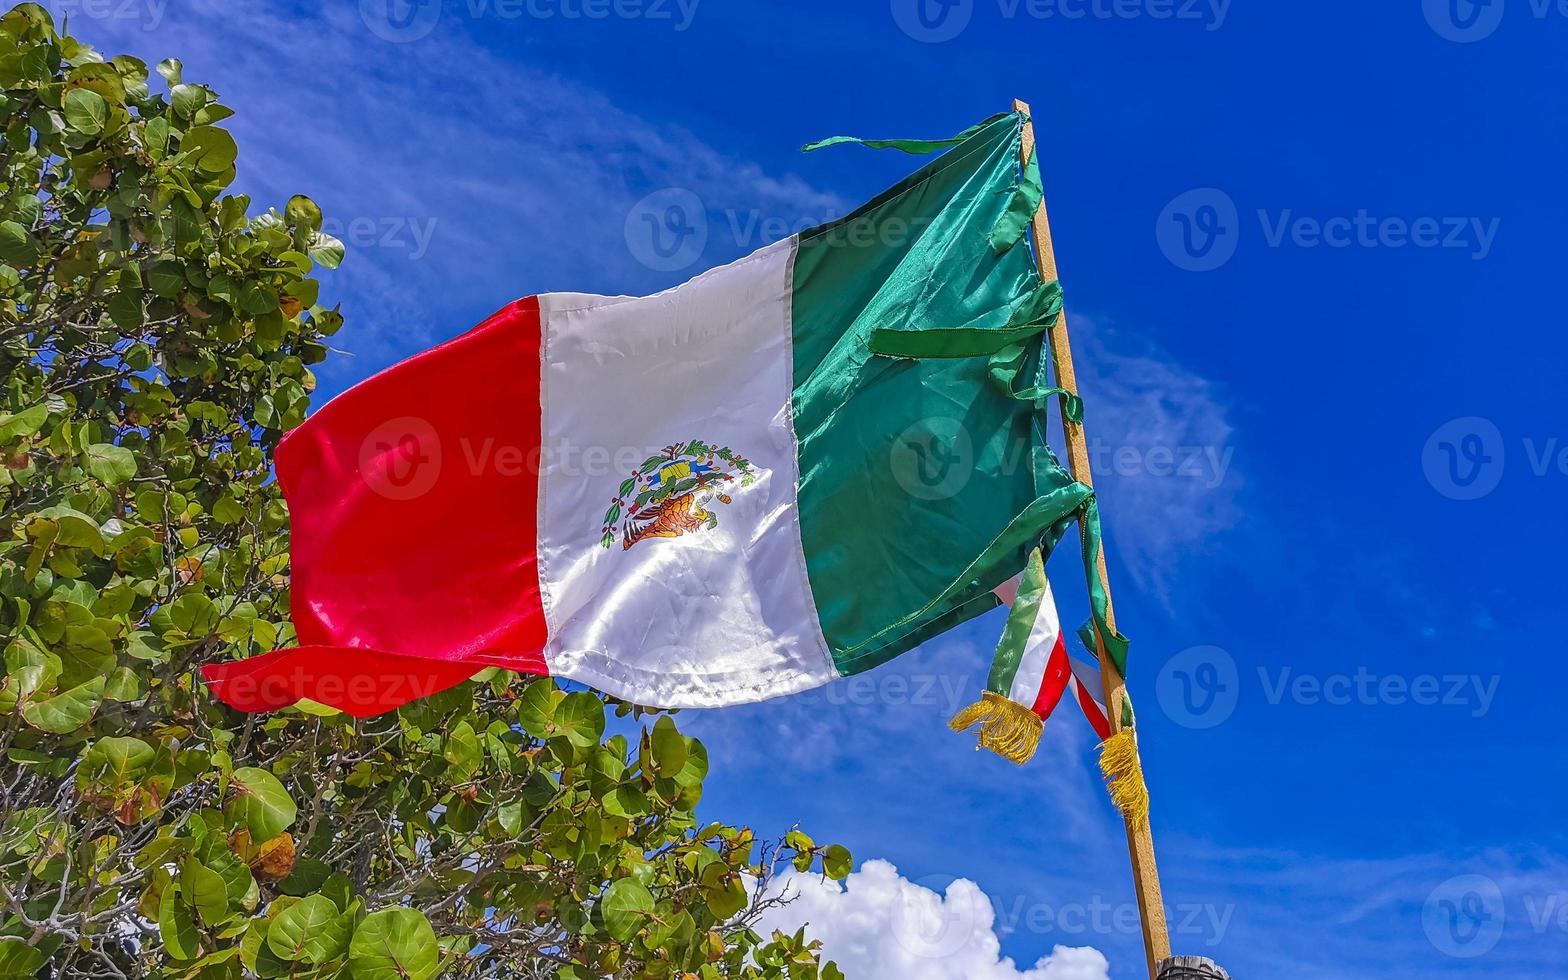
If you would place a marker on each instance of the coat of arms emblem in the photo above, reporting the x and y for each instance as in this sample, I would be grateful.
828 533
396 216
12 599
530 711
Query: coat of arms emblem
673 493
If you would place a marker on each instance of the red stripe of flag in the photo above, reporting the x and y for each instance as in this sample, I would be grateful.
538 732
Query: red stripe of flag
413 500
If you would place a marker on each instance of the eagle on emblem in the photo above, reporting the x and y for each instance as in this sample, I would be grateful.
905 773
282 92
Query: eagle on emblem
673 493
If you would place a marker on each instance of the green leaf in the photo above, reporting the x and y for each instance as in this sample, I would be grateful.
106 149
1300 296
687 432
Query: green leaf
192 614
837 862
210 149
260 804
302 212
126 310
65 712
536 708
669 746
723 890
23 423
205 890
696 768
155 136
111 464
394 944
227 510
461 750
626 801
177 926
312 930
86 111
580 717
19 958
257 956
114 762
187 99
626 905
17 244
166 278
325 250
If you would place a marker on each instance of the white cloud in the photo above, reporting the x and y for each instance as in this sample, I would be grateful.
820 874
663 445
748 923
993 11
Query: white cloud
878 924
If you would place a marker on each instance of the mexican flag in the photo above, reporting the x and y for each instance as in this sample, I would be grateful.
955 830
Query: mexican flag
791 468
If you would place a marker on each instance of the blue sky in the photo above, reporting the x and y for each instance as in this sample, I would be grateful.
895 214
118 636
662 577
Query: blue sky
1309 260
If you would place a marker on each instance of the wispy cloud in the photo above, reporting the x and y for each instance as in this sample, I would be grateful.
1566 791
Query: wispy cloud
1492 912
459 180
1163 449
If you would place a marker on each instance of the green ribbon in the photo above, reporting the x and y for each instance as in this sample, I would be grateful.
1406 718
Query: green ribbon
1025 204
1030 315
1015 219
916 147
1004 368
1099 625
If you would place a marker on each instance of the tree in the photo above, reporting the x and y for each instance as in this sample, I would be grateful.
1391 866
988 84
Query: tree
156 341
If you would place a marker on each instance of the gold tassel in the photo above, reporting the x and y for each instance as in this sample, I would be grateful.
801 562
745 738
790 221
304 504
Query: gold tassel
1007 728
1124 775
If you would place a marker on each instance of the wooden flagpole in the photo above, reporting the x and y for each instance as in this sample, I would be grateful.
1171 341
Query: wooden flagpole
1140 839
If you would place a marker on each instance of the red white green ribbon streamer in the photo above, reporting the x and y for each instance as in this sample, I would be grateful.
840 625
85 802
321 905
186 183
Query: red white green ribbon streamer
1032 668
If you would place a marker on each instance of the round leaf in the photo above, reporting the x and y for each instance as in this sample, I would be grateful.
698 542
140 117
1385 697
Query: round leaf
211 149
86 111
626 906
836 861
580 717
111 464
302 212
394 944
312 930
260 803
